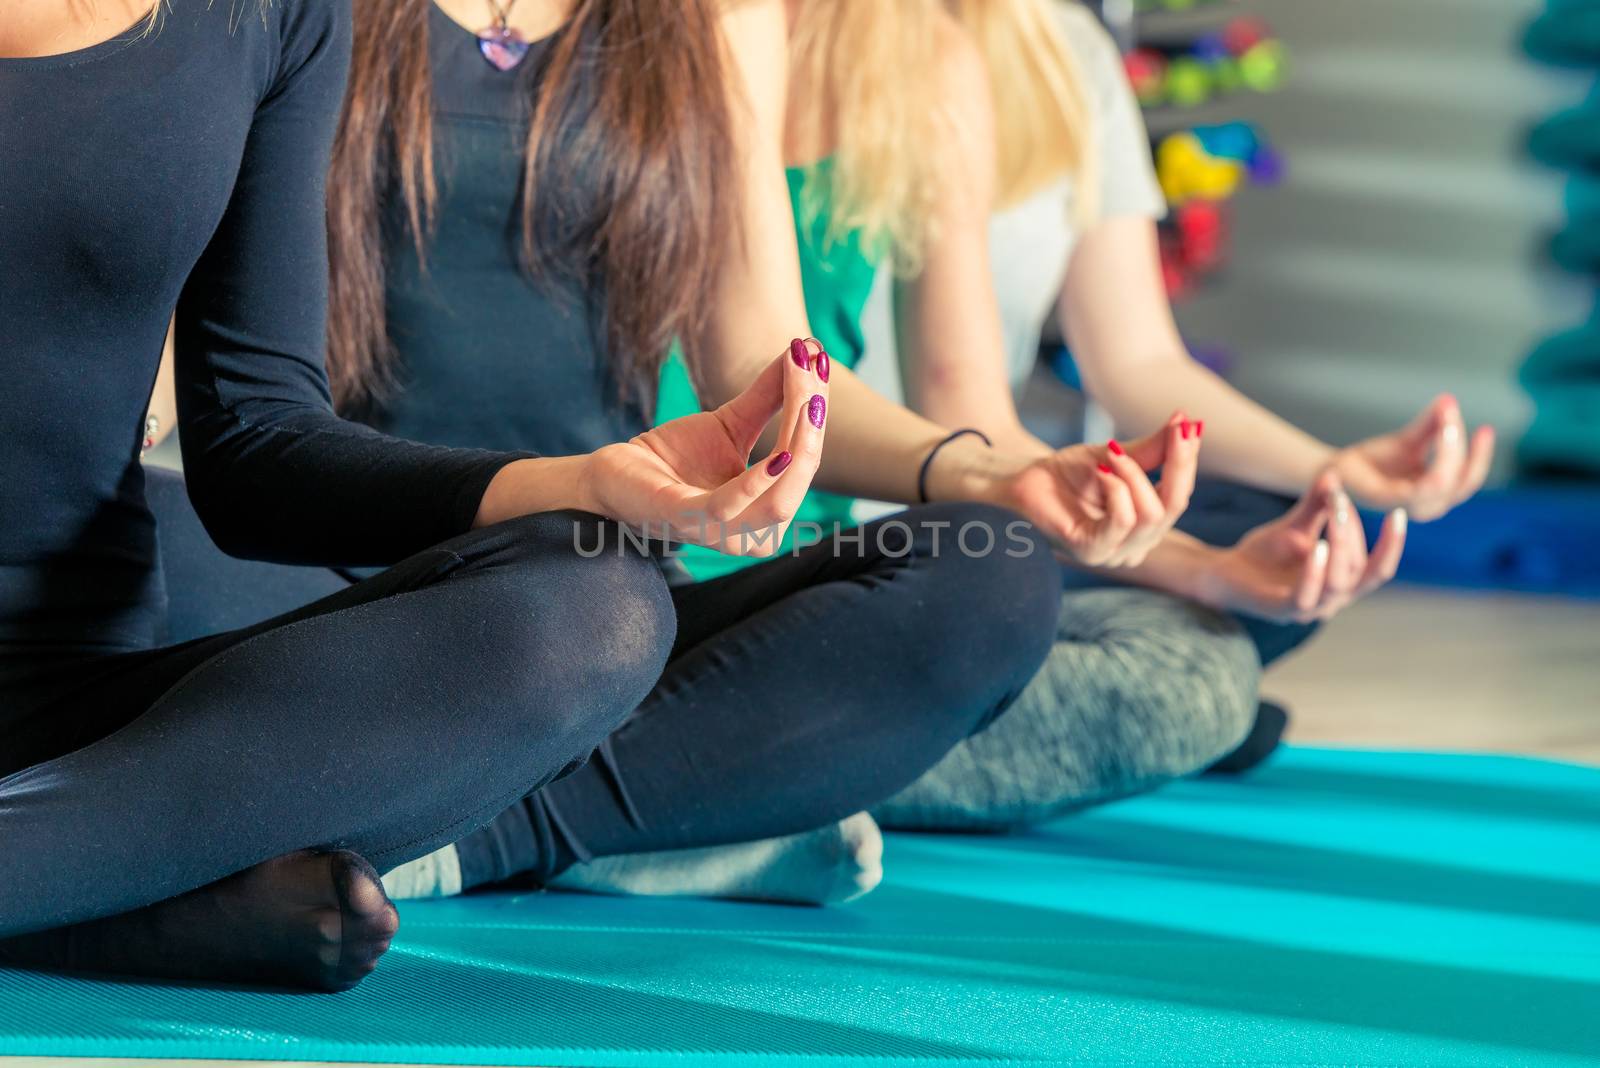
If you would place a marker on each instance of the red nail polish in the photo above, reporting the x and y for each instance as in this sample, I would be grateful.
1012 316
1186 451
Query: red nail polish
1105 469
824 366
817 411
1200 428
800 354
779 463
1116 450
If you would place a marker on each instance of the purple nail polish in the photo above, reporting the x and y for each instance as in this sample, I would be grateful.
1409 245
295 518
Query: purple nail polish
779 464
817 411
800 354
824 366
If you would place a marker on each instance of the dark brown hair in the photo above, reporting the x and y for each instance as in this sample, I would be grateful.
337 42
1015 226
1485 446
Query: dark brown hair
630 109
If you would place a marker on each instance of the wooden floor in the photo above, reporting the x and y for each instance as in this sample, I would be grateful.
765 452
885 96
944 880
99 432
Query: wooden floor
1407 669
1426 669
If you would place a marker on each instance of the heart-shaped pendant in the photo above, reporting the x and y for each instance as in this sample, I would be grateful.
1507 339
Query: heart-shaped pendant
503 47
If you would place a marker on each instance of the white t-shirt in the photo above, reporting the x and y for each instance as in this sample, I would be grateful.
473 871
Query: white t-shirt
1031 243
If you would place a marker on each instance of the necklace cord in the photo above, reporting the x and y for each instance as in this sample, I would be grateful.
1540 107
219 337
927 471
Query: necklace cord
501 12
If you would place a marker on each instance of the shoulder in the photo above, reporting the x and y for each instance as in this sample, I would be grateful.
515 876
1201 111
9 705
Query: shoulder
961 62
1093 47
307 30
1086 32
963 154
754 27
963 80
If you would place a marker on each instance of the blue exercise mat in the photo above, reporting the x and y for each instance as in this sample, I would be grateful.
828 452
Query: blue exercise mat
1334 908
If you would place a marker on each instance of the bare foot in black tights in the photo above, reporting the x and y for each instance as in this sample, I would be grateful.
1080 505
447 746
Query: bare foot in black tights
316 921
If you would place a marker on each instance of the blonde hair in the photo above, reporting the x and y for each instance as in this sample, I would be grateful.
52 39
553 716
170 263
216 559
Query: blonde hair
1044 118
872 68
161 8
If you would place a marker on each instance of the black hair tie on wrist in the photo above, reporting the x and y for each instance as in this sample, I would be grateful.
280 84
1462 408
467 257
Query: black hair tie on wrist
922 475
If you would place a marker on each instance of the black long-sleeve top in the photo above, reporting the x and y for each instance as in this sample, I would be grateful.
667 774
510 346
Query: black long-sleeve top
184 167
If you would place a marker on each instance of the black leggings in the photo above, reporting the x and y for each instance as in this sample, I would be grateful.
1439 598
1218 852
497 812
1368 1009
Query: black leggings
399 714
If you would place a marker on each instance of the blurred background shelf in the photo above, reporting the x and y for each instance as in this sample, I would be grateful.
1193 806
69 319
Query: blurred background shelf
1164 119
1162 27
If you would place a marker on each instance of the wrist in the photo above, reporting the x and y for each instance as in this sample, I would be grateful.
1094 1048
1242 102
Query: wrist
1345 462
968 470
1355 475
1019 442
545 484
1199 571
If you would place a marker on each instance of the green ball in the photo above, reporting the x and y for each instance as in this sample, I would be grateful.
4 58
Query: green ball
1188 82
1226 76
1265 66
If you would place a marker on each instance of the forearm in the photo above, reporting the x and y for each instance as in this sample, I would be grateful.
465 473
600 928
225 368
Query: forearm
290 482
948 330
994 413
1180 565
1115 315
1244 441
876 448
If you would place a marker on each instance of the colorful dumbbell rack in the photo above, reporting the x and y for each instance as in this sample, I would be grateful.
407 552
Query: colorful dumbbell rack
1186 60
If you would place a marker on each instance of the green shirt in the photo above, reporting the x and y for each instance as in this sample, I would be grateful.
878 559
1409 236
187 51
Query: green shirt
838 276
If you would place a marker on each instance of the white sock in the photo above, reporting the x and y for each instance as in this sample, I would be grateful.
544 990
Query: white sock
436 875
828 866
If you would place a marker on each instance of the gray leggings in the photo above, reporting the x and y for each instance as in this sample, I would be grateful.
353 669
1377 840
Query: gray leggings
1140 688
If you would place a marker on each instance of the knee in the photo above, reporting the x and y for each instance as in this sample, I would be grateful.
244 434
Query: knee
989 606
587 623
1139 688
1179 680
990 559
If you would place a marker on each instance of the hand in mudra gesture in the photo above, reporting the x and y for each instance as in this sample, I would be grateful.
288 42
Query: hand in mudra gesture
1427 467
1310 564
1097 504
690 479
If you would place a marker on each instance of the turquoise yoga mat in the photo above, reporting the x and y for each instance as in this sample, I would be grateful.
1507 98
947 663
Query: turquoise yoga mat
1335 908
